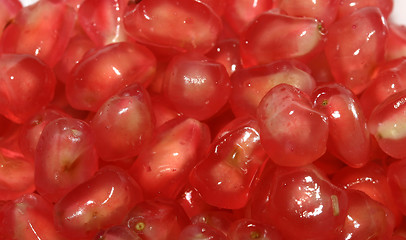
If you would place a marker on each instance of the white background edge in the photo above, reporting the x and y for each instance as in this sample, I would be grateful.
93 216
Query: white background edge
398 14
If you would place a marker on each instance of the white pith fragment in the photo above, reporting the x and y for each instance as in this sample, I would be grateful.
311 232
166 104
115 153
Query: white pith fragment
335 204
394 128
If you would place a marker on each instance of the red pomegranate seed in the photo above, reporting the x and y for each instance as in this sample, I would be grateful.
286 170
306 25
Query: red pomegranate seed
367 218
163 167
183 25
65 157
389 78
227 52
307 200
292 132
42 30
31 130
397 183
240 13
250 85
123 124
324 11
16 175
386 125
28 217
348 134
101 202
346 7
102 20
273 36
27 86
226 176
196 86
353 56
396 43
76 49
104 71
8 10
372 180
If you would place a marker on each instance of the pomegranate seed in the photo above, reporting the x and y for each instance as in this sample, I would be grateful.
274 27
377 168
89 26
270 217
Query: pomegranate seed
42 30
101 202
184 25
104 71
202 119
292 132
123 124
348 52
274 36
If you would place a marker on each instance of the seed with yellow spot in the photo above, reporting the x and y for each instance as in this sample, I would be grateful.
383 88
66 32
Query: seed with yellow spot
139 226
254 235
